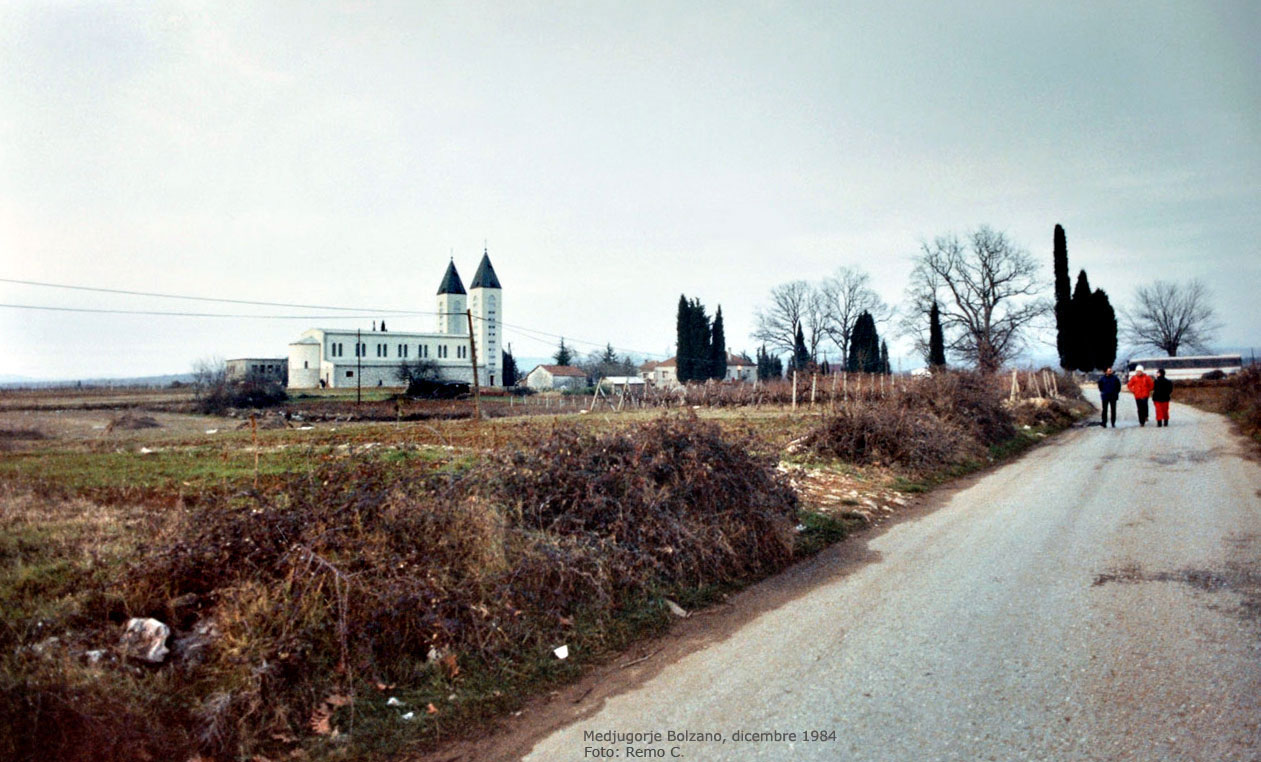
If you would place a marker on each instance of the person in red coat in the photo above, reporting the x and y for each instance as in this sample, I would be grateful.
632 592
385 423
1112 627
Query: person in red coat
1162 392
1140 386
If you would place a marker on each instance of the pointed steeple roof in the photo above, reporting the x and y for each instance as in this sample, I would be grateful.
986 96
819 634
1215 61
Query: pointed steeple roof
485 275
451 281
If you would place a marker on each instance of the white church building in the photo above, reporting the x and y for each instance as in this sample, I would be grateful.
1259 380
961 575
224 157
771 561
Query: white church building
339 357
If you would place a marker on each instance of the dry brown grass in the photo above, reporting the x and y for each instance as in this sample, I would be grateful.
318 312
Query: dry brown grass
1237 396
332 581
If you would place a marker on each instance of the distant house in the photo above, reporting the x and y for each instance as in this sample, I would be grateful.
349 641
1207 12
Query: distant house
663 373
547 377
666 372
257 368
618 384
740 368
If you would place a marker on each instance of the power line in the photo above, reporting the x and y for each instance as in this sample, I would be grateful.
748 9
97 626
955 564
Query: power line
202 314
537 334
222 300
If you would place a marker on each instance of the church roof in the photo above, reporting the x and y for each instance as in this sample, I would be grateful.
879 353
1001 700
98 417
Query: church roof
451 281
485 275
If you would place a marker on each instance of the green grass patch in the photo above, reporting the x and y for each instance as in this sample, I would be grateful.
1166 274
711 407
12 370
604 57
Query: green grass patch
819 530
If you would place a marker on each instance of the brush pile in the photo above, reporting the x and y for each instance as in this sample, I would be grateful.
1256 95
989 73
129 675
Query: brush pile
940 420
358 574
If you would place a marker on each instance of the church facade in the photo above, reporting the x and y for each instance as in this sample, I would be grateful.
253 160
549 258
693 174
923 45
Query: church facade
340 357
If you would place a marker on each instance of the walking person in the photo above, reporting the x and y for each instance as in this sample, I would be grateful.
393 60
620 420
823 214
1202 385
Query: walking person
1140 386
1162 392
1109 391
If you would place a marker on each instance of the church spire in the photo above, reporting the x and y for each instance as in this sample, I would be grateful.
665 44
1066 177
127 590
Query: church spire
485 276
451 283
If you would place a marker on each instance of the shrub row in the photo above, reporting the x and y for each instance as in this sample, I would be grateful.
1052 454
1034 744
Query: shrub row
944 419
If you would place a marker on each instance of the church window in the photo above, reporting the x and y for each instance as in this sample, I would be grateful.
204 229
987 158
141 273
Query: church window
350 374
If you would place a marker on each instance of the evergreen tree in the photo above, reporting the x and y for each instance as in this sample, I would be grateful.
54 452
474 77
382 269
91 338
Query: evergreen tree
884 358
1080 355
510 369
768 367
718 348
684 351
801 356
693 343
936 339
864 346
825 369
1063 318
563 354
1103 330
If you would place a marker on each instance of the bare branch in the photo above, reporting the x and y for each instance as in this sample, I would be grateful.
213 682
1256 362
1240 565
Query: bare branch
986 289
843 297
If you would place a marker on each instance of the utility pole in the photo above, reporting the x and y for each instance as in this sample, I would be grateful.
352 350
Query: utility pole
358 368
472 353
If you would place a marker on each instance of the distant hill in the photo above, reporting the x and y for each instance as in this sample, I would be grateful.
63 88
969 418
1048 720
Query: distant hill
23 382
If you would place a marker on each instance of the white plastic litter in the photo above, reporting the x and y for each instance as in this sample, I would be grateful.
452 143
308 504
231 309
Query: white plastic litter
409 716
146 639
562 652
393 702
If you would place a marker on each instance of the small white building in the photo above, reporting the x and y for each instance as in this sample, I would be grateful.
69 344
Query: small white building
341 357
548 377
740 368
260 368
620 384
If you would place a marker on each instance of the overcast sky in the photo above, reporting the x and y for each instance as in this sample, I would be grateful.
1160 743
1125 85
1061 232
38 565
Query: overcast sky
610 155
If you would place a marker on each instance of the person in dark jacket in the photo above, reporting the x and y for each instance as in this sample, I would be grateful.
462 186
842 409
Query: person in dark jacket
1162 392
1109 391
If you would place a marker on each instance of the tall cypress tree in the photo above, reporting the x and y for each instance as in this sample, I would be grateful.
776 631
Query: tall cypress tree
864 346
1081 337
1103 329
768 366
683 340
936 339
700 342
884 358
510 369
717 348
801 356
1063 320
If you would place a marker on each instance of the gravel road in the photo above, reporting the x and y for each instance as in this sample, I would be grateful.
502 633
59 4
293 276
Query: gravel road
1100 599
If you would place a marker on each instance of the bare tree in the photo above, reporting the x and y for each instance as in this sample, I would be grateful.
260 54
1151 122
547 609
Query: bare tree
987 290
1169 316
793 304
410 371
845 296
209 374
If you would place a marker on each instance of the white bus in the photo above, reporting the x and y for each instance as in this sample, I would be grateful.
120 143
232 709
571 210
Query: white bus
1182 368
